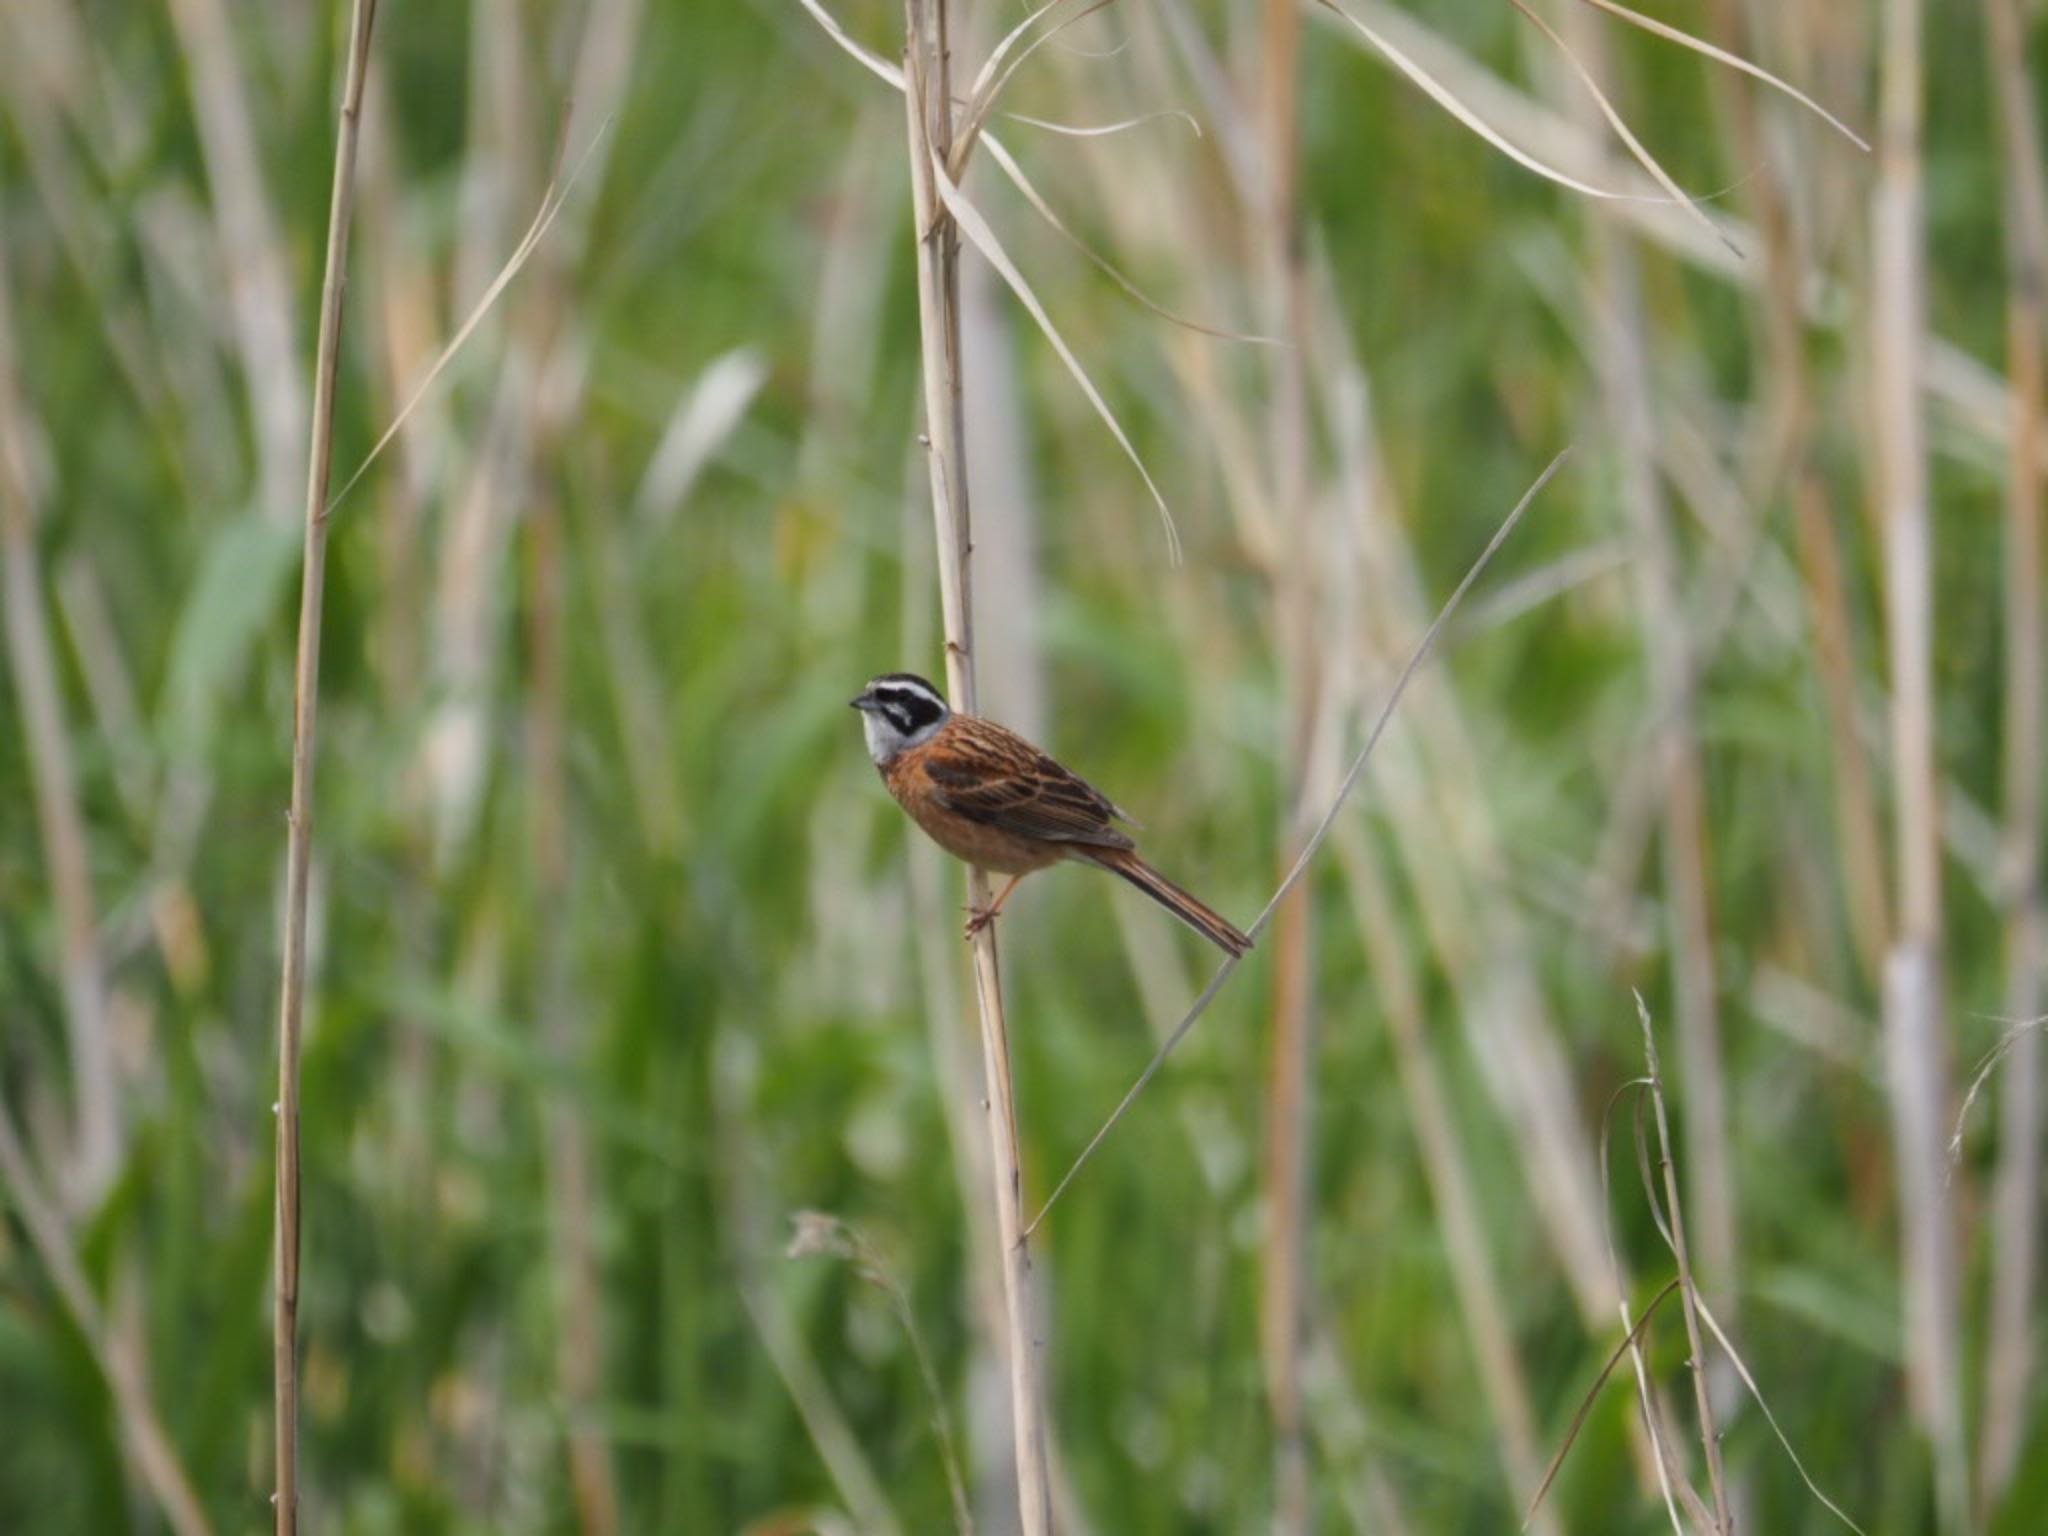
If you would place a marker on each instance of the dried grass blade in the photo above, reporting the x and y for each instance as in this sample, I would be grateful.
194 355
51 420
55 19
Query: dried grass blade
821 1234
112 1350
1078 131
873 62
987 73
1722 1522
1642 155
1734 61
2019 1030
1421 654
977 230
1571 1436
1652 1418
1010 168
1650 1179
1442 95
556 193
983 101
1223 973
1749 1381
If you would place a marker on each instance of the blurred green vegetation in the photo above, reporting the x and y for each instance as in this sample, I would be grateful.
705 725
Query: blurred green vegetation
621 956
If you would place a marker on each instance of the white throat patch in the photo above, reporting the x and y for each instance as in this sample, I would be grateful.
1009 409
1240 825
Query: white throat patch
885 740
899 712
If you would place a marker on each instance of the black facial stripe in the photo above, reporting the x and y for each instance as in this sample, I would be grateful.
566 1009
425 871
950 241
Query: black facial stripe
908 709
906 701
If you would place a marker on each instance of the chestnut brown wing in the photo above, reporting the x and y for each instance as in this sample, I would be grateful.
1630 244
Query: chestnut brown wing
994 776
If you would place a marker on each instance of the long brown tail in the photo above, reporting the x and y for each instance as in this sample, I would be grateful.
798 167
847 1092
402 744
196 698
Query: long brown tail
1124 862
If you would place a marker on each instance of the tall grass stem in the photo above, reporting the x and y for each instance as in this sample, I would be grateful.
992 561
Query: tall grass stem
299 833
929 116
2011 1346
1917 1047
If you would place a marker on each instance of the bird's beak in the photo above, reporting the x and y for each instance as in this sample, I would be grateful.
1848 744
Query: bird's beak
865 702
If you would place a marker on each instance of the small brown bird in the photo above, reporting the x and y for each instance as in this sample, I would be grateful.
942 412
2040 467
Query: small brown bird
986 795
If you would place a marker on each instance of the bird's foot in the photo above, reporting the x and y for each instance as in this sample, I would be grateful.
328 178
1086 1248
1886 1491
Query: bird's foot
978 918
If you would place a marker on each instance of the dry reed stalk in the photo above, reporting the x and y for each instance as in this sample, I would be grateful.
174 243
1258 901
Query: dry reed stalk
305 719
579 1338
1976 397
1453 1190
1532 1079
556 377
252 254
1630 1348
1526 1044
1292 574
465 640
1789 459
2010 1347
1856 797
95 1152
1627 385
1432 787
1917 1048
751 1235
1345 1435
824 1421
92 1161
39 89
1434 790
1654 1425
114 1349
1688 1284
990 1420
986 1375
1444 826
1288 1198
819 1234
928 100
1950 378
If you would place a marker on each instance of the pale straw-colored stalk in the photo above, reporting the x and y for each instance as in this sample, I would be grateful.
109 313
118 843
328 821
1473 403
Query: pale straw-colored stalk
928 98
1289 1097
114 1348
34 670
1627 386
1917 1048
2011 1346
299 828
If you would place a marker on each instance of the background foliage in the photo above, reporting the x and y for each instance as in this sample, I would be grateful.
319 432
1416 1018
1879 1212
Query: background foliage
621 956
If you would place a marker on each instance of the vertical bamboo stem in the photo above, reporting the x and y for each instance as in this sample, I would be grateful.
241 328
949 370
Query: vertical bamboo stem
2016 1195
299 836
928 99
1916 1042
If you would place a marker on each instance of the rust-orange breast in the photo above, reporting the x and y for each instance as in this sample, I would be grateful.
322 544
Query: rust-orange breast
988 847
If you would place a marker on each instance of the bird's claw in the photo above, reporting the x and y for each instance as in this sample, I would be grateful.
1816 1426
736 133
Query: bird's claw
978 918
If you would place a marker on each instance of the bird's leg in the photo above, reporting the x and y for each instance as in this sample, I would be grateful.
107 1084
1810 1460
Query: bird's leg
979 918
